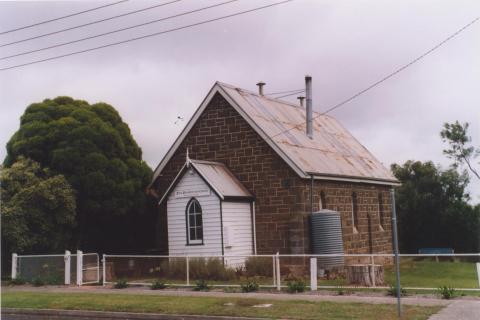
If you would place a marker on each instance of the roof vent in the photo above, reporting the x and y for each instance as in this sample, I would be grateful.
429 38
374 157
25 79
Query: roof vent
309 117
260 87
301 98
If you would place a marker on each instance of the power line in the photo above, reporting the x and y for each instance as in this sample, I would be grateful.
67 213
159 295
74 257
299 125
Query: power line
63 17
390 75
291 94
147 36
274 93
117 30
89 24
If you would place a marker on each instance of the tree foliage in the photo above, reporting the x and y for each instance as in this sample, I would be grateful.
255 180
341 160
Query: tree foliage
433 208
38 209
461 150
94 149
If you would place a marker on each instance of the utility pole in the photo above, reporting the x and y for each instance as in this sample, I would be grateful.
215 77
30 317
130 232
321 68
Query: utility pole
395 249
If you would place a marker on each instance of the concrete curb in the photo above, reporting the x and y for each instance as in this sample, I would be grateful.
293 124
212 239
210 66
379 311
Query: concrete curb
84 315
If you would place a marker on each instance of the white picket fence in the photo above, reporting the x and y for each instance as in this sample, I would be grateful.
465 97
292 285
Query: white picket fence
84 267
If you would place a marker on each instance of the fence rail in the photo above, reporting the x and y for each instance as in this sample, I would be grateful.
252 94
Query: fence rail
57 268
418 271
455 270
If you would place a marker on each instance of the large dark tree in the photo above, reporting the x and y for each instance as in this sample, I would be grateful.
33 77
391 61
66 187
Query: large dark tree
94 149
433 208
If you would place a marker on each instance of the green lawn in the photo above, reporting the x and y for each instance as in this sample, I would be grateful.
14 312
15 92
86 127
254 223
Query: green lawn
431 274
427 274
210 306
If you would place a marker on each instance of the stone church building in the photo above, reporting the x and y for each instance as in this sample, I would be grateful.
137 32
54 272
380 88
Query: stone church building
247 171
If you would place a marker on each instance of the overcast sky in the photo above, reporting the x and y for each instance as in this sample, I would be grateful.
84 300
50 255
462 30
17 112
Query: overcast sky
344 45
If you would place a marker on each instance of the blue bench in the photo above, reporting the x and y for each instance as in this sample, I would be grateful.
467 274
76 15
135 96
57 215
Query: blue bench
435 251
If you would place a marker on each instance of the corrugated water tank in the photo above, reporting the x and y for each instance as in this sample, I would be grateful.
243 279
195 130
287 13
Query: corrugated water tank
326 235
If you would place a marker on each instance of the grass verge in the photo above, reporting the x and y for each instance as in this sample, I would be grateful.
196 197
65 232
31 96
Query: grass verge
431 274
295 309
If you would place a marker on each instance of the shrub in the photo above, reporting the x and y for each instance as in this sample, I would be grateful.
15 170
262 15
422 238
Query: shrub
259 266
249 286
201 285
392 291
210 269
54 279
121 284
295 286
158 284
340 292
446 292
17 281
175 268
198 269
38 282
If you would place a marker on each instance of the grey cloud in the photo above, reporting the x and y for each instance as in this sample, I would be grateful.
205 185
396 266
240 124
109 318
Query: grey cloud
344 45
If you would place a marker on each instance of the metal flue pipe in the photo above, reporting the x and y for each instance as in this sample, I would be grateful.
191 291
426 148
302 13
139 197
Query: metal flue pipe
260 87
309 116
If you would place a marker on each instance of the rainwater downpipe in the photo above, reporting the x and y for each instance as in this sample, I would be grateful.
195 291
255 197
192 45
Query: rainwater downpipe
311 193
254 229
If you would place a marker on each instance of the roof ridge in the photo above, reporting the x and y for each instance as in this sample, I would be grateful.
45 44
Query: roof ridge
288 103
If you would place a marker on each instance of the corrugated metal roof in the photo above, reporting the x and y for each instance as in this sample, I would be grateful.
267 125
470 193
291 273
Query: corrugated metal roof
220 178
333 151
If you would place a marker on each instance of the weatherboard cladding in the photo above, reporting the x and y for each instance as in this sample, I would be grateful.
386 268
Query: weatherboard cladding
216 213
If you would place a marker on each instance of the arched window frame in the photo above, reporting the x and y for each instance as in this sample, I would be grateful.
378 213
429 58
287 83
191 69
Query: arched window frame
195 238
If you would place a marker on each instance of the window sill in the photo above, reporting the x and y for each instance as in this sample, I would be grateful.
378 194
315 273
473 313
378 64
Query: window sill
194 244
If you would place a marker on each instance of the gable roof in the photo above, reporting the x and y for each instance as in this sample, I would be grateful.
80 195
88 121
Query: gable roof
332 154
217 176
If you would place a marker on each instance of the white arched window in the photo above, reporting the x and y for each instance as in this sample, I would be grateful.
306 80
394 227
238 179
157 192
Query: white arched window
194 222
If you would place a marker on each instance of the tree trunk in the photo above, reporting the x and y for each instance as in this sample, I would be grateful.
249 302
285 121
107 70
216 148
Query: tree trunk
365 275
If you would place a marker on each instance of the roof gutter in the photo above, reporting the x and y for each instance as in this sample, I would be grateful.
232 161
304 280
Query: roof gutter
322 176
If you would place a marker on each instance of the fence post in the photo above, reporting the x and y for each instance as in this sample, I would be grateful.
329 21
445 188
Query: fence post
188 271
313 274
14 265
98 268
278 272
104 269
478 273
372 272
67 267
79 267
274 271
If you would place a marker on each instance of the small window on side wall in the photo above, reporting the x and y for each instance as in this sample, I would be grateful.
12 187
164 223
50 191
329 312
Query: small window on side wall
354 212
323 200
194 222
381 213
